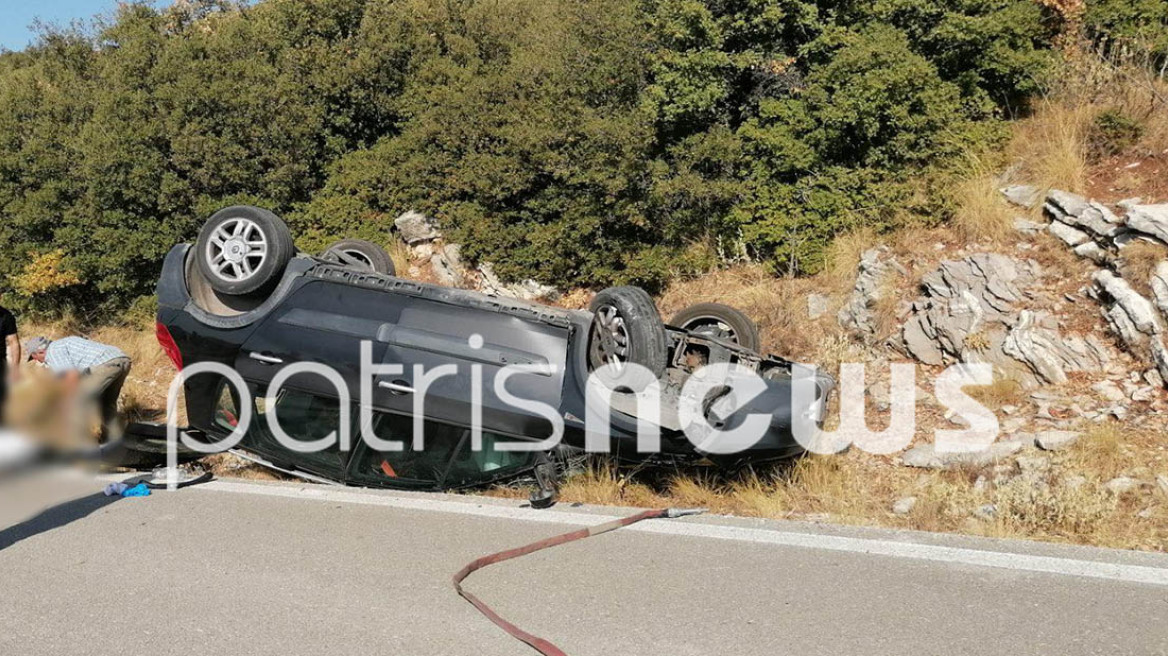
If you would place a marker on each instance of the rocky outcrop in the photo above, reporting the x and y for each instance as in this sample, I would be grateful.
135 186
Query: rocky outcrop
528 290
1136 314
976 310
875 268
1149 219
1076 211
416 227
447 265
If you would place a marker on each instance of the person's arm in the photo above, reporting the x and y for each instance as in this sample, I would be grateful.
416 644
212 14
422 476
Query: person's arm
71 380
12 343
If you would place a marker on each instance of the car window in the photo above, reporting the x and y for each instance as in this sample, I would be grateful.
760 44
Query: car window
303 416
409 467
445 459
226 408
471 467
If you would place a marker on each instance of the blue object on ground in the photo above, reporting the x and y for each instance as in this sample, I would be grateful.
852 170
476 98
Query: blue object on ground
139 490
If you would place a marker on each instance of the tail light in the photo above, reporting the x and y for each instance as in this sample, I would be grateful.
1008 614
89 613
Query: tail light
168 345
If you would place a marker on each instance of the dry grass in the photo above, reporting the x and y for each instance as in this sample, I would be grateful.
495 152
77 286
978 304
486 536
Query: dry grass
1003 391
1065 502
399 252
1138 260
1051 145
778 305
981 215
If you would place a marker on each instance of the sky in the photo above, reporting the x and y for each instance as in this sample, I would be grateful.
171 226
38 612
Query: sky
17 16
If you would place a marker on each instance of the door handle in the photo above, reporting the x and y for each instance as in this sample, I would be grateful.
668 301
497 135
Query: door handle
396 387
265 359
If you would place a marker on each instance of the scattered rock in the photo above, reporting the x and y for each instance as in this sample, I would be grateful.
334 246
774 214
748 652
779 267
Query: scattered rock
528 290
1022 195
1140 312
1076 211
857 315
416 227
1074 482
925 456
1028 227
1071 236
986 512
447 265
1092 251
1109 391
1033 466
1162 483
1053 440
817 305
1149 219
1121 485
1143 394
1159 284
904 506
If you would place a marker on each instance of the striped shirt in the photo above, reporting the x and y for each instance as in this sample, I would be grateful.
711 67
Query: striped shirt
78 354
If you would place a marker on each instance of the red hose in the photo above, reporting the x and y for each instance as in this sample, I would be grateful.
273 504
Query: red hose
539 644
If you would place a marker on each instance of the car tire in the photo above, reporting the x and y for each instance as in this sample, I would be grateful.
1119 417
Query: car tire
360 255
627 328
243 249
719 321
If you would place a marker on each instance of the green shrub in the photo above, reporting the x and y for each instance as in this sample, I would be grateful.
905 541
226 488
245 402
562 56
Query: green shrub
577 142
1112 132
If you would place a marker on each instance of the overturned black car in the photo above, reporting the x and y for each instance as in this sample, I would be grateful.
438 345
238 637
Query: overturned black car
242 297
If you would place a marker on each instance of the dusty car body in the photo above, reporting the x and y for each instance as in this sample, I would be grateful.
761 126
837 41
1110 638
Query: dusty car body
322 311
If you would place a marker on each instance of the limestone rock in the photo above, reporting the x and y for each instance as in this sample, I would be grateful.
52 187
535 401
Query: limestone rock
974 311
1053 440
1138 309
1065 203
1076 211
875 267
1109 391
1028 227
416 227
1071 236
1121 485
447 265
528 290
817 305
1149 219
1022 195
904 506
1092 251
1159 283
926 456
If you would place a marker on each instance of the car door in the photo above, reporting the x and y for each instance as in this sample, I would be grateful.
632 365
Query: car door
322 323
431 334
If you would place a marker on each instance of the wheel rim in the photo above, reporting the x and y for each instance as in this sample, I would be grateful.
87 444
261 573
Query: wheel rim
357 259
610 338
713 327
237 249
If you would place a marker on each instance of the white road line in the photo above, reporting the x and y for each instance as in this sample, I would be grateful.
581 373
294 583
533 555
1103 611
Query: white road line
910 550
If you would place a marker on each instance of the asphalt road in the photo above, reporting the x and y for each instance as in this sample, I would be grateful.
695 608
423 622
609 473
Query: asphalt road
243 568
